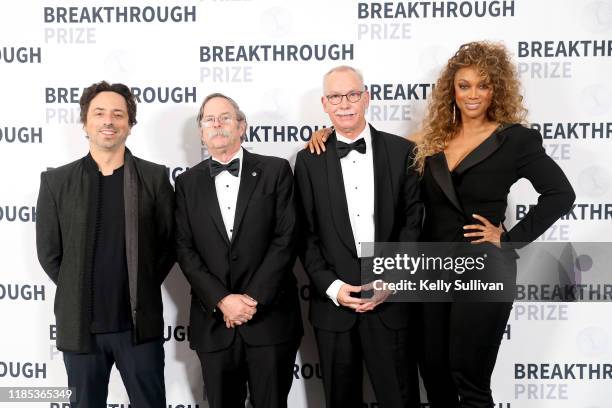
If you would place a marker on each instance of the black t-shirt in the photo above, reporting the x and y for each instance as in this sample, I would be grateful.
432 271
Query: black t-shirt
110 288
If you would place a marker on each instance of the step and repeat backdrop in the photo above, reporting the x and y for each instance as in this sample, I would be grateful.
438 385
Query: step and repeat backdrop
270 56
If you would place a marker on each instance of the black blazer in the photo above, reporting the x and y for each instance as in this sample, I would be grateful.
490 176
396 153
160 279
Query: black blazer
65 227
328 247
258 261
481 182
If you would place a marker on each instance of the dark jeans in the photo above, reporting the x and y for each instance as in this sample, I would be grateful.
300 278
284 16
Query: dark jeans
141 367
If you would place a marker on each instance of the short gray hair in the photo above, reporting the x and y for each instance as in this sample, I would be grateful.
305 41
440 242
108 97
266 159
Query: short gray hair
342 68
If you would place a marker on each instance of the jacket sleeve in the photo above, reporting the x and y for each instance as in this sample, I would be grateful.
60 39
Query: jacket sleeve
309 249
48 233
164 218
556 193
280 256
411 207
207 287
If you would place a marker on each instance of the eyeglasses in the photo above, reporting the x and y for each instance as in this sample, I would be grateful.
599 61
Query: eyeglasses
209 121
353 96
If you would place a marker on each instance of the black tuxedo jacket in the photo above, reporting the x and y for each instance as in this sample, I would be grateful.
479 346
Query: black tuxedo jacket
481 182
328 247
257 261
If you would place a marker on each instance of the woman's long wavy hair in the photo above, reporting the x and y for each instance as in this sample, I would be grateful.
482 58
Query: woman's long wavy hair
492 60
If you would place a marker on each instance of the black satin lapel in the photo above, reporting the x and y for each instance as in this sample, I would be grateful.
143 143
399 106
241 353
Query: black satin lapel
439 171
383 191
484 150
250 175
337 196
212 202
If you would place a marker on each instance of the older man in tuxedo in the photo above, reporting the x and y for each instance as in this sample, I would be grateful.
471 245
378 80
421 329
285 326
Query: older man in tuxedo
361 189
236 230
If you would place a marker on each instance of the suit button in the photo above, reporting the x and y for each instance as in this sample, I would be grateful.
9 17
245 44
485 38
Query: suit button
234 257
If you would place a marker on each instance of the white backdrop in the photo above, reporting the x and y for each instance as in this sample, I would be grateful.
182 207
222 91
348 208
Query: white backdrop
50 50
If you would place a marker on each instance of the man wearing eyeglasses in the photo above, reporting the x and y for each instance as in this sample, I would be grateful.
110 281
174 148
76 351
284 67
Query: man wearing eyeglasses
361 189
236 230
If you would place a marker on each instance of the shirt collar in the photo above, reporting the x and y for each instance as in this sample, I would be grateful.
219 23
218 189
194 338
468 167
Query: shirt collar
238 155
365 135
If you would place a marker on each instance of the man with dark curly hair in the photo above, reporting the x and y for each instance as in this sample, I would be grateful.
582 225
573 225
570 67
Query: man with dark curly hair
103 235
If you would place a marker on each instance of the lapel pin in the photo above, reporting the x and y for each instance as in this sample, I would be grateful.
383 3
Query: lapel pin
254 174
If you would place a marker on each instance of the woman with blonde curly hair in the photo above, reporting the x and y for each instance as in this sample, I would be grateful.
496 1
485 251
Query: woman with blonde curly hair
489 64
472 150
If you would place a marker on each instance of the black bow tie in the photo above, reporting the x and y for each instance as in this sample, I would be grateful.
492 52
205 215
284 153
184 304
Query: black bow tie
345 148
232 167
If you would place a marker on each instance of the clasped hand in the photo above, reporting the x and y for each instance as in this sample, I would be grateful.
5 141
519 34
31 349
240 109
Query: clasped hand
237 309
361 305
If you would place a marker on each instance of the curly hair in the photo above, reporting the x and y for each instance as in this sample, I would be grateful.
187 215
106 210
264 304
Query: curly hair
492 61
93 90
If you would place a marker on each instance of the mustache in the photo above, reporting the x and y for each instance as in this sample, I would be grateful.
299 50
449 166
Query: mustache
218 132
344 111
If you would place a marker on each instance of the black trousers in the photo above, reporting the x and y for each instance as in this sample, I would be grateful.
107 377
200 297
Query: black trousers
141 368
460 345
266 370
390 359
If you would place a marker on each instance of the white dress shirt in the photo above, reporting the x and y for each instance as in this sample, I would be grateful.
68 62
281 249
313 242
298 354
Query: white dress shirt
227 193
358 176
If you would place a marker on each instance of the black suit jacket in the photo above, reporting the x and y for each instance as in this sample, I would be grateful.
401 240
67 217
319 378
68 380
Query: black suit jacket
481 182
65 230
328 247
258 261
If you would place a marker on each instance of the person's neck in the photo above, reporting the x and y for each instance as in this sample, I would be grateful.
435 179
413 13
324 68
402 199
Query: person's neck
108 160
476 125
224 156
352 133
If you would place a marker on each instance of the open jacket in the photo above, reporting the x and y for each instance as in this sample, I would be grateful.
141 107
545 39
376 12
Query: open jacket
65 232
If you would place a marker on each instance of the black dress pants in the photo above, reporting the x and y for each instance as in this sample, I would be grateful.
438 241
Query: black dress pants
390 358
141 368
266 370
460 346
